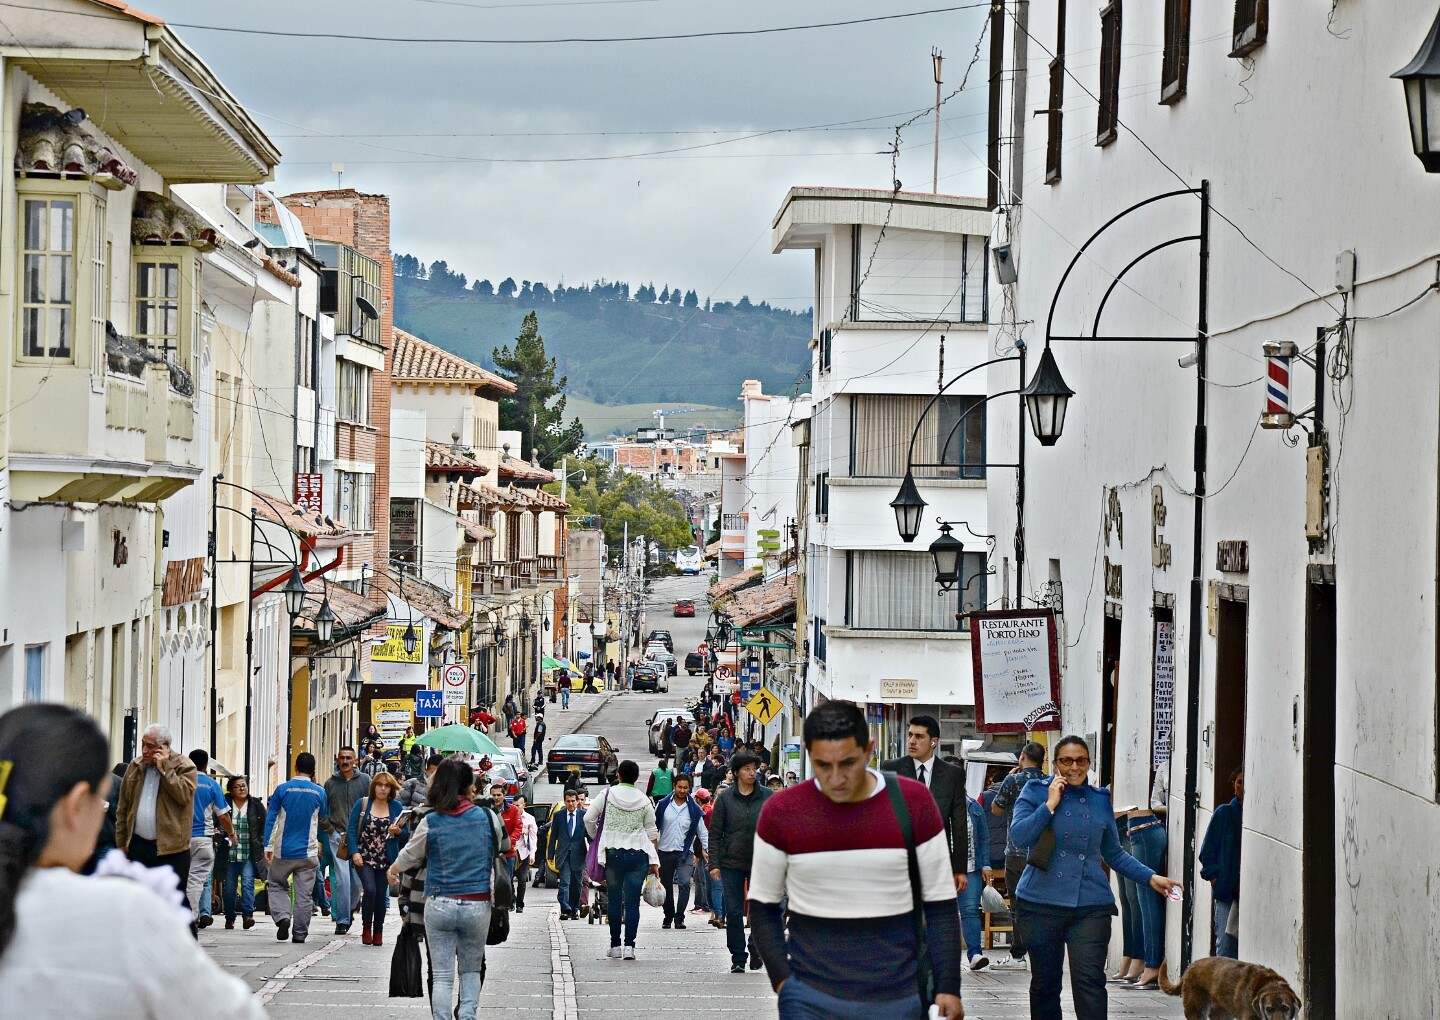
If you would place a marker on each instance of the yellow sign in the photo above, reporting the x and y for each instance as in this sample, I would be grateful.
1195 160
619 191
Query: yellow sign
764 706
392 649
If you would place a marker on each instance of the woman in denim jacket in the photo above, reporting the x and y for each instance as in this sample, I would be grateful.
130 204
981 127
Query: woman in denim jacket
1067 901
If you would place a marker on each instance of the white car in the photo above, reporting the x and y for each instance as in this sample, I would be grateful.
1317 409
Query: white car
655 726
658 655
522 771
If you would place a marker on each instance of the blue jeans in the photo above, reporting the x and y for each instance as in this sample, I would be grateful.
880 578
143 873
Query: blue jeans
717 895
564 697
376 899
1148 908
732 881
240 886
970 926
799 1001
344 888
1050 934
1227 946
1132 927
456 931
625 872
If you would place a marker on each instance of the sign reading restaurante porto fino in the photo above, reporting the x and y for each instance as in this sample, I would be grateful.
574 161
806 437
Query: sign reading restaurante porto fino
392 649
1016 668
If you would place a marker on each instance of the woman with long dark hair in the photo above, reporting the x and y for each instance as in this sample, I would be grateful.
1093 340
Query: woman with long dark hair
1065 893
373 851
458 841
247 856
72 946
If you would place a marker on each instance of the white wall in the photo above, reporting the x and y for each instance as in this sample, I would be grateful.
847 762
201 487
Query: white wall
1252 128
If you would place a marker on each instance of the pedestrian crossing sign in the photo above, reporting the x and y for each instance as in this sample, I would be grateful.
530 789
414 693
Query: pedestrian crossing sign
764 706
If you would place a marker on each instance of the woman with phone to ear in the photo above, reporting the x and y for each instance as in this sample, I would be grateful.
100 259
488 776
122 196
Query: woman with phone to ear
1066 894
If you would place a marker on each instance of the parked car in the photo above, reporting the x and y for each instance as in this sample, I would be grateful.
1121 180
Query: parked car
661 635
695 663
655 726
544 873
592 756
685 607
651 676
522 771
501 771
665 659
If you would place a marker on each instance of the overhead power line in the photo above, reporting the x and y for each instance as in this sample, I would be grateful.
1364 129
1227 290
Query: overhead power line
451 41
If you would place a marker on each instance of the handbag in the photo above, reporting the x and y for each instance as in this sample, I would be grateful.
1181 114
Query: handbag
405 981
502 888
924 969
1041 851
594 866
499 927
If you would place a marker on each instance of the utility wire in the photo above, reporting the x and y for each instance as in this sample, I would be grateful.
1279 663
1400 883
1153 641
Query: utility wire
717 34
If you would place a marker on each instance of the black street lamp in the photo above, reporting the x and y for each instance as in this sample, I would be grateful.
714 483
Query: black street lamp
294 592
355 684
1047 398
410 639
909 508
1421 78
948 552
324 622
525 623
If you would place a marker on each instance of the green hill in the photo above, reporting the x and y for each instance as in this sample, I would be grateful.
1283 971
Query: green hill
615 349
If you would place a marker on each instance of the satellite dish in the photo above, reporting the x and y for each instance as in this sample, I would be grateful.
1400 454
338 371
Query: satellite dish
366 308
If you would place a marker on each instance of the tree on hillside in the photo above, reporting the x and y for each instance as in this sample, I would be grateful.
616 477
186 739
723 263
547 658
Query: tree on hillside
507 287
675 297
665 296
483 287
530 410
692 300
619 498
408 266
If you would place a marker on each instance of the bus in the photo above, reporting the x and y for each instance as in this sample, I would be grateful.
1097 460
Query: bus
689 560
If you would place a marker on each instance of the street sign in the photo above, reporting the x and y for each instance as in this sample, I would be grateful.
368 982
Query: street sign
453 679
430 704
764 706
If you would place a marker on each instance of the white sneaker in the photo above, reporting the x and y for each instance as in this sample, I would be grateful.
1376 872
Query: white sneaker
614 953
979 962
1010 963
627 953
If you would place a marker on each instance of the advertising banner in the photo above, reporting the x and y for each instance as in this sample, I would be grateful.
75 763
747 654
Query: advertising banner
392 649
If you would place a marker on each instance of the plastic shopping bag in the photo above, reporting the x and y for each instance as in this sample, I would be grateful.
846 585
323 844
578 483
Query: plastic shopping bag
654 892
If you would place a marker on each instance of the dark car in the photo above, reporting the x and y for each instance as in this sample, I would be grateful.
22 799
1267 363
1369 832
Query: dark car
585 753
662 635
651 676
685 607
695 663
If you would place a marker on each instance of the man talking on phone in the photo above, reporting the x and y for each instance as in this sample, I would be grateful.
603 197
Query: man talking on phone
857 947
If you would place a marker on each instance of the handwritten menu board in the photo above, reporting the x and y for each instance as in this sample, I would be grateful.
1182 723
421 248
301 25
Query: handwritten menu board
1016 669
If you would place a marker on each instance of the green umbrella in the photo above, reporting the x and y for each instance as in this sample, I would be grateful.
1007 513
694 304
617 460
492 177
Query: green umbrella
458 738
549 663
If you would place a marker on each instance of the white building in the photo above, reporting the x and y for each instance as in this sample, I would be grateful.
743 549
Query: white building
899 279
1302 604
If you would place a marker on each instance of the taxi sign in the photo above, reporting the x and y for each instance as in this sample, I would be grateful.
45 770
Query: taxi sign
453 678
764 706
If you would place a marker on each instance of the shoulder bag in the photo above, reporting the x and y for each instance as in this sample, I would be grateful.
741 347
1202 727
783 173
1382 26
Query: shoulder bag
502 890
924 969
594 857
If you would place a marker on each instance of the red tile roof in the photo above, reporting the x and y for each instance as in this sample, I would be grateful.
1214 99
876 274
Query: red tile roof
442 457
512 468
124 8
418 360
305 523
768 603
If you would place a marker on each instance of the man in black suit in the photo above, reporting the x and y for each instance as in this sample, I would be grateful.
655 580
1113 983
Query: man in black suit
568 837
947 786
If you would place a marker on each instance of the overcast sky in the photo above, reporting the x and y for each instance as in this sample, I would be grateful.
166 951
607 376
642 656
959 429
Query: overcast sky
483 148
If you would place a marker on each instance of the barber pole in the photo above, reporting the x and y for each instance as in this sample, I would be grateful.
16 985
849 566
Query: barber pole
1279 356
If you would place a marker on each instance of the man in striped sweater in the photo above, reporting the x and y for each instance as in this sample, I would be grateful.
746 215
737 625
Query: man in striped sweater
834 847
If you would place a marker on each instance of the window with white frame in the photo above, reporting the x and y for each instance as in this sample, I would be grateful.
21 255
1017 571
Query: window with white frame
949 443
355 500
164 300
47 292
353 387
919 275
897 591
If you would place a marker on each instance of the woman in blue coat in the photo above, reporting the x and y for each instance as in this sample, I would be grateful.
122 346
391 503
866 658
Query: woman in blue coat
375 842
1067 898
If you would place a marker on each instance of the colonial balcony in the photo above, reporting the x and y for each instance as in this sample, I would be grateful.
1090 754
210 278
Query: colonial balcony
119 430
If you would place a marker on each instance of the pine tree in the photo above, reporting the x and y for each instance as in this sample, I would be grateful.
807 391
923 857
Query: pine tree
665 296
692 300
537 408
507 287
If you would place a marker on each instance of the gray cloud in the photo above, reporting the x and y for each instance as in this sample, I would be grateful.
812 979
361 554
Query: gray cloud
417 122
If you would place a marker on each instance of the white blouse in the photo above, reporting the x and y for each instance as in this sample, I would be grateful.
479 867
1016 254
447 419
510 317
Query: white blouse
109 949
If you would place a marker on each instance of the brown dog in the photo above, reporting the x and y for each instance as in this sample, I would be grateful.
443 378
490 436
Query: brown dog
1216 988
